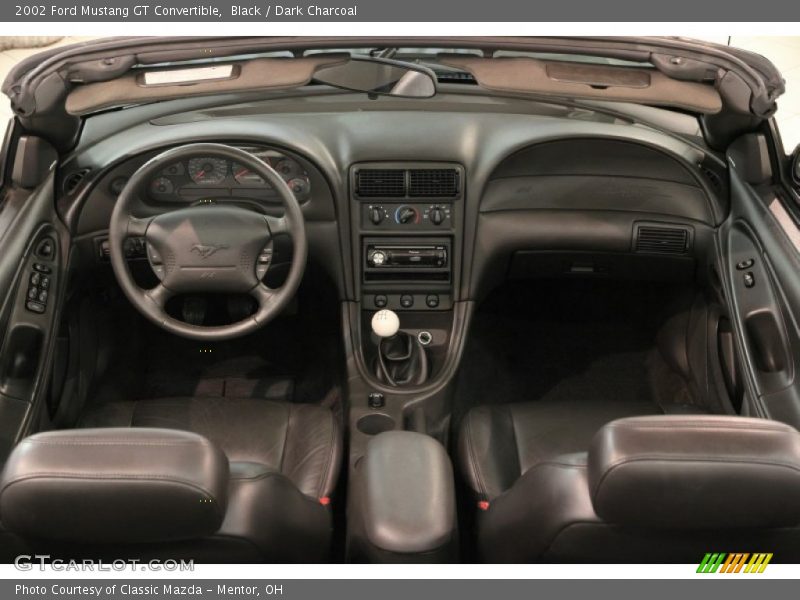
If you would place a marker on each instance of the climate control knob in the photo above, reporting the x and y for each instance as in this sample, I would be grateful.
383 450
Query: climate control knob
406 214
437 215
376 215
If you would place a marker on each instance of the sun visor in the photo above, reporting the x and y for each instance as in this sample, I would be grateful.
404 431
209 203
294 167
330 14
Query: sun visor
580 80
152 85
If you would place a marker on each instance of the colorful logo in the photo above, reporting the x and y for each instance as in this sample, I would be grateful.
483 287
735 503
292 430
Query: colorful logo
737 562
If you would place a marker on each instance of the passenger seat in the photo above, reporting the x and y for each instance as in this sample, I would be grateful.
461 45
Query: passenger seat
662 488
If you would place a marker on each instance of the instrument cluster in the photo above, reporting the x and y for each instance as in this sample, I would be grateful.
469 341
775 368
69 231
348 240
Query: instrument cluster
203 178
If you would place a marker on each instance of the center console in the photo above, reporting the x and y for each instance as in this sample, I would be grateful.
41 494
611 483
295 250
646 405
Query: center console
408 216
407 329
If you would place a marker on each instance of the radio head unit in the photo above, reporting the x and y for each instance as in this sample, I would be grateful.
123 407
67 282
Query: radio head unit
391 256
406 260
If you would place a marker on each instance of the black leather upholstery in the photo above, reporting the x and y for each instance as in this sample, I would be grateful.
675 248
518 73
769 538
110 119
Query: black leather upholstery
402 506
300 441
650 489
281 460
696 472
75 486
499 443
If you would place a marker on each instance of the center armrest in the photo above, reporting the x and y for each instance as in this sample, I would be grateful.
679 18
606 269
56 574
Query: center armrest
404 504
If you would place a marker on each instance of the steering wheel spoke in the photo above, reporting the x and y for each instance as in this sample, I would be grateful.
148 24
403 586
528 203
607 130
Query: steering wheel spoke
264 295
277 225
159 295
137 226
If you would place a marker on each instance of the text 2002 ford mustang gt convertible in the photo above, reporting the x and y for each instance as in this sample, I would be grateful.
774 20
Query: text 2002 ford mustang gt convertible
417 300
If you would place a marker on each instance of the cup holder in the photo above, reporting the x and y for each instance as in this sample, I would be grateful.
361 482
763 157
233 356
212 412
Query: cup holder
375 423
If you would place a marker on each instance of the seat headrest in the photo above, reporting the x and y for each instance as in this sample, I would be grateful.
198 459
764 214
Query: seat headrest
699 472
114 485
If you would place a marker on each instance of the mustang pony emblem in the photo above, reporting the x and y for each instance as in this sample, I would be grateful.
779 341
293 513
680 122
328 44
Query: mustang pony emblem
206 250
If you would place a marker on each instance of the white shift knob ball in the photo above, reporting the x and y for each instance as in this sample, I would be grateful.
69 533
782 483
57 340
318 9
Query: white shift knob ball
385 323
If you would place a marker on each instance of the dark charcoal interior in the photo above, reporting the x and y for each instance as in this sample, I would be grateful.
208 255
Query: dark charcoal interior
471 327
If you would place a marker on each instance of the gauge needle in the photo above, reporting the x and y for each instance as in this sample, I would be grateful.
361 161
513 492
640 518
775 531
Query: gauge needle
241 172
201 174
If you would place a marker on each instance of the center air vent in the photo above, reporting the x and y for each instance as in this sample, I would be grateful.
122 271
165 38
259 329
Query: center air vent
381 183
433 183
662 240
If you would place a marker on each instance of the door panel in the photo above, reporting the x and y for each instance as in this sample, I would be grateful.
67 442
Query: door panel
33 244
762 278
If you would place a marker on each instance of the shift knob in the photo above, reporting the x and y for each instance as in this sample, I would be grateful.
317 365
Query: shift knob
385 323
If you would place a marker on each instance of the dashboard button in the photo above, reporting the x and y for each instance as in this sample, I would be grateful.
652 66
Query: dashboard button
432 300
381 301
406 300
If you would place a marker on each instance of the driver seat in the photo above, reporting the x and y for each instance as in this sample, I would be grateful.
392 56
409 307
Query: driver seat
212 480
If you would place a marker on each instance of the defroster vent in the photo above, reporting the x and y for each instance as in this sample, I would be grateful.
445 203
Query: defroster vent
662 240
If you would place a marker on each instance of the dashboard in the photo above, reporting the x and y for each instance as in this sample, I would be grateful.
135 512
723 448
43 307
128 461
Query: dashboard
477 198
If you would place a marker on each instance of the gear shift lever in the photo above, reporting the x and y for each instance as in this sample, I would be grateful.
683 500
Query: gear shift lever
385 323
401 358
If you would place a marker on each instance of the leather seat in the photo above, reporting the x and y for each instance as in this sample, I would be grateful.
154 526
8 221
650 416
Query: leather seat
643 489
300 441
279 466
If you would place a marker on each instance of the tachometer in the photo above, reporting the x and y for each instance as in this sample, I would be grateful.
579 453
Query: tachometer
208 170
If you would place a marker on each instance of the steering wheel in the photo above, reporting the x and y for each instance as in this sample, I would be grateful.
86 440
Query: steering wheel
207 247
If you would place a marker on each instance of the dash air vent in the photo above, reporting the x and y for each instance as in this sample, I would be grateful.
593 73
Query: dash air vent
433 183
381 183
73 180
662 240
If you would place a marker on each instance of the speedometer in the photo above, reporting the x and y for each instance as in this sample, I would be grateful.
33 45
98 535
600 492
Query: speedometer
208 170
